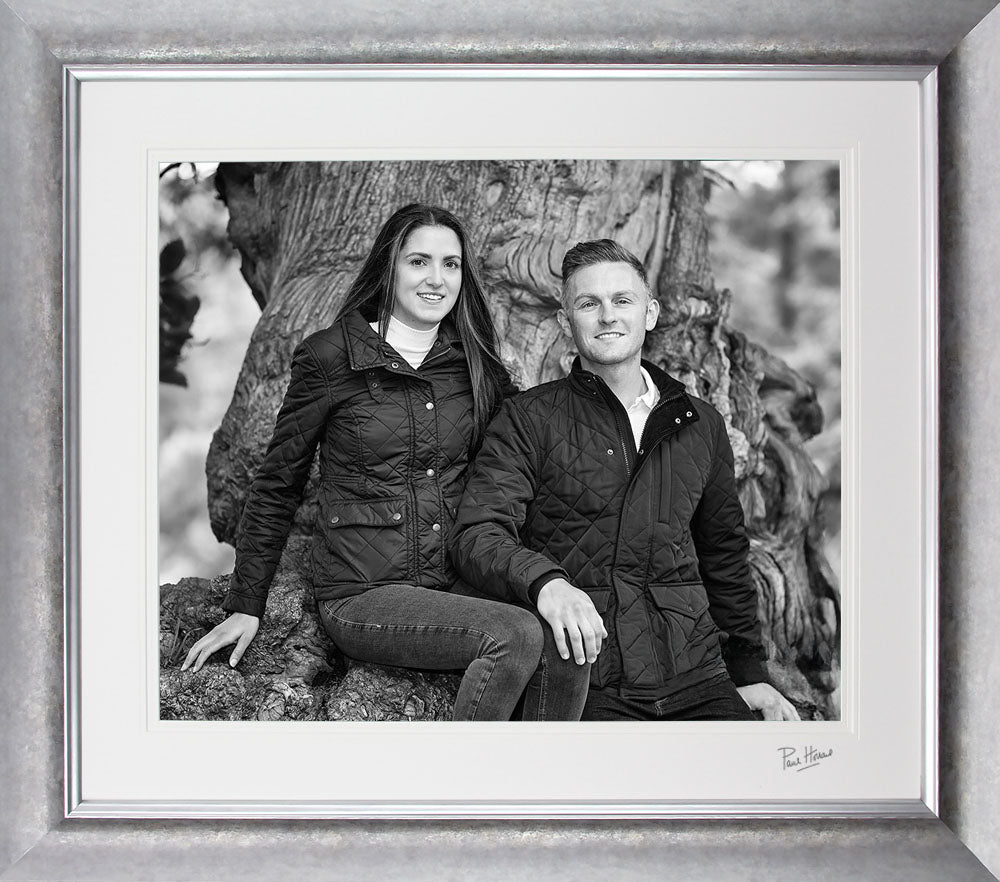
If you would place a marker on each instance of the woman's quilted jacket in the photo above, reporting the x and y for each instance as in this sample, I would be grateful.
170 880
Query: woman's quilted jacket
394 448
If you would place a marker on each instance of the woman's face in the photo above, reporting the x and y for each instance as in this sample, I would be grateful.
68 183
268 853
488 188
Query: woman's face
428 277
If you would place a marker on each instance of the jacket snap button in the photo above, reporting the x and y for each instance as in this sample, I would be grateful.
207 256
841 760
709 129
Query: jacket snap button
430 473
641 452
334 520
690 414
436 528
374 385
429 405
397 516
677 420
610 452
395 364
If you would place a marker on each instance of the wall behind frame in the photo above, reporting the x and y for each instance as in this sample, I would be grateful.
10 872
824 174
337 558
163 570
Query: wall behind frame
969 87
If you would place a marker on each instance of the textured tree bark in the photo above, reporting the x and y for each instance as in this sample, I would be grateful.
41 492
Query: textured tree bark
303 230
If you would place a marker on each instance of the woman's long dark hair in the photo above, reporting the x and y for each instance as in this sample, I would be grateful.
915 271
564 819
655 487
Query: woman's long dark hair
373 294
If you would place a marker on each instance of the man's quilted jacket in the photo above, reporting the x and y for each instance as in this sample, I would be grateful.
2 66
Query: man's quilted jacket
655 536
393 454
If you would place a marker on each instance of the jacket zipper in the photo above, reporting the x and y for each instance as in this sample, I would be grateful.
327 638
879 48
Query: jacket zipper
625 453
661 403
428 361
429 358
618 412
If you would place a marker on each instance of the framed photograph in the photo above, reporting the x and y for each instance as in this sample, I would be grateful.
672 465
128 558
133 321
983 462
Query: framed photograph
834 165
40 757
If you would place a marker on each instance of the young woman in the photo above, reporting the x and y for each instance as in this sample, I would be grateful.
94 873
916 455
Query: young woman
396 394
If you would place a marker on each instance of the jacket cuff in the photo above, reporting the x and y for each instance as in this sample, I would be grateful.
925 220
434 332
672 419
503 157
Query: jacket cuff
252 606
745 661
541 582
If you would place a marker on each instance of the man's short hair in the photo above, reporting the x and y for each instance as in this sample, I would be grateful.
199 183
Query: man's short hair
585 254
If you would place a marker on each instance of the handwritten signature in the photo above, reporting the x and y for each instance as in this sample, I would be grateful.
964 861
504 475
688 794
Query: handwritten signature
793 759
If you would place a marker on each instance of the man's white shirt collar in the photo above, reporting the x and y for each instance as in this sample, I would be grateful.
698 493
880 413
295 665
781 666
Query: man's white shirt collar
648 398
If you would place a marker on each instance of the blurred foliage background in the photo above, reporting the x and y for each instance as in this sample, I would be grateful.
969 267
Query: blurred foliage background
774 242
194 395
774 231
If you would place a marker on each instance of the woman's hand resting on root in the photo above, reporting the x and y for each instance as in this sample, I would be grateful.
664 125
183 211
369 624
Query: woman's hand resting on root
239 628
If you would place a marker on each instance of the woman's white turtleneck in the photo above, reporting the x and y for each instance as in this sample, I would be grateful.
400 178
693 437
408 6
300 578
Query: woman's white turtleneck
412 343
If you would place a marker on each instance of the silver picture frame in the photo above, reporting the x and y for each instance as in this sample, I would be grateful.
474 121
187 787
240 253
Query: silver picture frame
36 841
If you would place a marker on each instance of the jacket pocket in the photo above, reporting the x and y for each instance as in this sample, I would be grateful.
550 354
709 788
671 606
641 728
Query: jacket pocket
681 625
363 541
389 512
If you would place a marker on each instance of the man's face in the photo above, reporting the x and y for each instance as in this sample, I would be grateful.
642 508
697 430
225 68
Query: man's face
607 312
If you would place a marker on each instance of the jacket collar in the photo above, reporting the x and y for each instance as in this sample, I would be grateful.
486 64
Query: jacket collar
367 350
590 384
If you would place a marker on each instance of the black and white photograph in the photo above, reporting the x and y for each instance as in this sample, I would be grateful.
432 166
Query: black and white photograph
491 440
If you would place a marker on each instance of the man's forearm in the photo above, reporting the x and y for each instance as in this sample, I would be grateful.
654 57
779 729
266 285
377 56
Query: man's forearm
492 561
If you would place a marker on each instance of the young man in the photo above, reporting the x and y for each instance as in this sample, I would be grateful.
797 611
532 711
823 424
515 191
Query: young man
607 501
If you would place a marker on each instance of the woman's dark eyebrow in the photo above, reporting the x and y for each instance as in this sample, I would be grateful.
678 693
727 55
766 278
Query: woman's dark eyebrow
426 255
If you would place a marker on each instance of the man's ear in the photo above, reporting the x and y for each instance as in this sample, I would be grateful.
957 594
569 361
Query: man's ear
563 320
652 313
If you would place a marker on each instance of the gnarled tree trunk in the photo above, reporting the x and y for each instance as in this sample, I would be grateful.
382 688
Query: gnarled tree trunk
303 230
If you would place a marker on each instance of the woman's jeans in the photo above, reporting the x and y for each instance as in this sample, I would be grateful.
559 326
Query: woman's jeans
498 645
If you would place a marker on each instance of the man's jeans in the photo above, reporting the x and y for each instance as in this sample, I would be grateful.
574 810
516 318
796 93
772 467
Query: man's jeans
498 645
715 699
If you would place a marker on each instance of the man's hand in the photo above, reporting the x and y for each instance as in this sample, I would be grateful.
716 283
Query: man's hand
768 700
239 628
570 611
